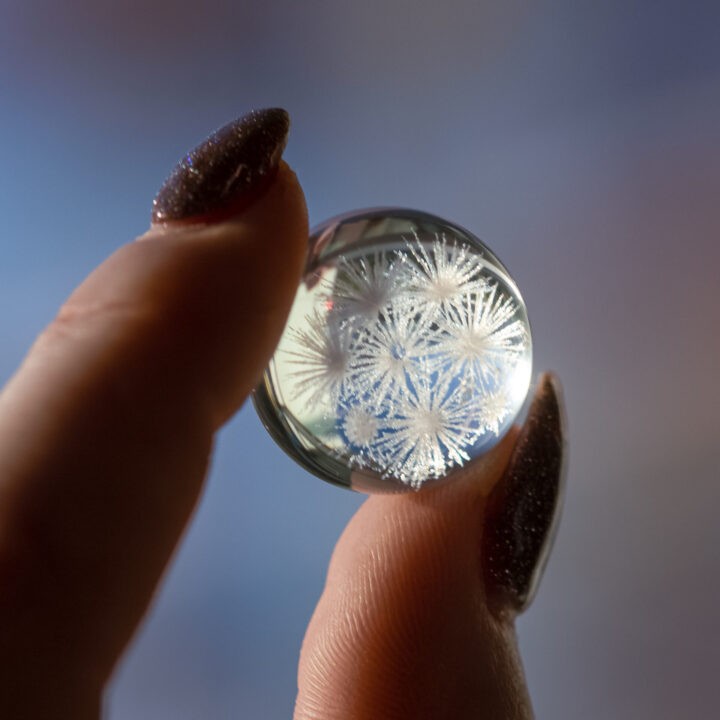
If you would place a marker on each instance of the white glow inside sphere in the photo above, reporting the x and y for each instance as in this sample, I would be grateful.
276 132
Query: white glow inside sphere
407 353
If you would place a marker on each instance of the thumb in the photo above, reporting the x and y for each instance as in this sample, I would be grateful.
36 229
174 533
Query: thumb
416 617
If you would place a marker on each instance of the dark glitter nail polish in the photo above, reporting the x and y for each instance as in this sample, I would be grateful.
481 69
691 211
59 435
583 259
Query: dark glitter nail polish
225 172
524 507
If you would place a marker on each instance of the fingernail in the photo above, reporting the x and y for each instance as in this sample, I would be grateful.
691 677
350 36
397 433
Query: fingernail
524 507
226 172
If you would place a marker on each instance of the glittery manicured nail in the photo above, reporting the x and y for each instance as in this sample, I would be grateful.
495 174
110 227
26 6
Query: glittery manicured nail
524 507
227 171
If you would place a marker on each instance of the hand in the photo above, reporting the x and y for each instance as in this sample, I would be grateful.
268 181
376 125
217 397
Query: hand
105 435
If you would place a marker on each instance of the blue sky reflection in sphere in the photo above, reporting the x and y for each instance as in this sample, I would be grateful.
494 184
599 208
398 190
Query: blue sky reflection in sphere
407 353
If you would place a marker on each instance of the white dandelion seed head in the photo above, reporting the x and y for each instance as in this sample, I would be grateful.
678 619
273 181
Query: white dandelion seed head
363 286
483 340
442 273
361 426
320 359
430 430
386 354
494 408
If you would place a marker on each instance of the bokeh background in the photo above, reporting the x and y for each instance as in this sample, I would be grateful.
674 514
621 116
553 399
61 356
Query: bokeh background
580 139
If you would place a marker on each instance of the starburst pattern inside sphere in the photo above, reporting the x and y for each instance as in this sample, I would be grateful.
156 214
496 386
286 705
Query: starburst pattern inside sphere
407 353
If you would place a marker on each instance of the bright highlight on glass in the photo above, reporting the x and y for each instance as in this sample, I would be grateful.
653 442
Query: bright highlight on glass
407 353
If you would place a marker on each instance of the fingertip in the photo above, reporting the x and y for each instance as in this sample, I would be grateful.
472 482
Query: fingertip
207 301
227 171
524 508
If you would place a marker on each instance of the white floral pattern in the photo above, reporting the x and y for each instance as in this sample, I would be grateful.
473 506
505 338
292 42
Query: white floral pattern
413 348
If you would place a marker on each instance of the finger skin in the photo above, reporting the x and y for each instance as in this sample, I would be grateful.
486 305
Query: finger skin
106 430
403 628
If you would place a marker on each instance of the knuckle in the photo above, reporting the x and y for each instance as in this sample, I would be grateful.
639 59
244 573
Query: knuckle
78 321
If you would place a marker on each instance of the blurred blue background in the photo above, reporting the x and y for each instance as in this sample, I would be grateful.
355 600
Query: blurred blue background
580 139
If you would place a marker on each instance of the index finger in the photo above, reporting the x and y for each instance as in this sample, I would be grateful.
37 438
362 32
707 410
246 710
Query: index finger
106 430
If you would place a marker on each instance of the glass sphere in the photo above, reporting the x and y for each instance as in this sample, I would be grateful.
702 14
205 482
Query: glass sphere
406 354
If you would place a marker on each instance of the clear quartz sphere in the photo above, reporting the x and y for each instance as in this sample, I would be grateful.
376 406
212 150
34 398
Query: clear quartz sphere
407 353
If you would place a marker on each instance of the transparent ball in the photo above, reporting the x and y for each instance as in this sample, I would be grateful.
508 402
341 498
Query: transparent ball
407 353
